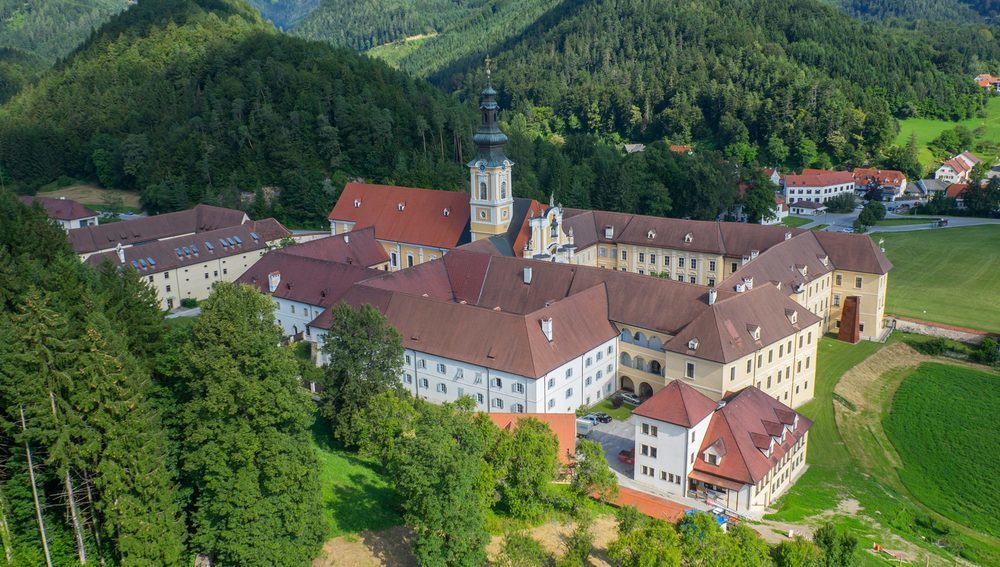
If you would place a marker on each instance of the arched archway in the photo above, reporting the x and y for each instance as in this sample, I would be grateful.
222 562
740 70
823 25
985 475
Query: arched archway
627 384
645 390
655 343
626 360
639 363
626 336
640 338
655 368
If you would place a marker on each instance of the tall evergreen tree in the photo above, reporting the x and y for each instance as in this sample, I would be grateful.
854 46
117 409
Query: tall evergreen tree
246 452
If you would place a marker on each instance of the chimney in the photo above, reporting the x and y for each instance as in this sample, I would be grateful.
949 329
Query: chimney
713 294
121 253
748 282
547 328
347 238
273 280
527 276
788 235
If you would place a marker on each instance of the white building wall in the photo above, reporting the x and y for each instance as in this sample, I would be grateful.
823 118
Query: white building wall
294 316
676 447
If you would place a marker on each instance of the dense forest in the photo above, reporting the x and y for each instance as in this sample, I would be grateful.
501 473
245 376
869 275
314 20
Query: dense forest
934 10
52 28
285 13
218 102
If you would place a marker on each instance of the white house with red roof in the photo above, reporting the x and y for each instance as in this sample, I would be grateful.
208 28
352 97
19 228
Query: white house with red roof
67 213
816 186
740 453
958 168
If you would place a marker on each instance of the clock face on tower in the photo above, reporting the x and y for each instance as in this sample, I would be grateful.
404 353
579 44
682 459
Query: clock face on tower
503 166
482 165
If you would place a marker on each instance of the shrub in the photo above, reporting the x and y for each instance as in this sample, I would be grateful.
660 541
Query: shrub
933 347
841 203
189 302
617 401
986 352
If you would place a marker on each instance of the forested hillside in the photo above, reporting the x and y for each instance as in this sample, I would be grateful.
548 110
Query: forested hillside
954 11
52 28
216 102
284 13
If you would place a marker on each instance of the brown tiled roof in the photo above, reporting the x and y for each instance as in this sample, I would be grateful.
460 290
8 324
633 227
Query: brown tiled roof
679 404
724 238
406 214
808 205
955 190
303 279
500 340
357 247
270 230
819 178
202 218
742 425
563 426
798 260
61 209
201 247
723 331
854 252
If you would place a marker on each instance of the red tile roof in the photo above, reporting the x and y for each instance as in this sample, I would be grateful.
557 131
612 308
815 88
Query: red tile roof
563 425
652 506
955 190
819 178
59 208
303 279
406 214
883 177
679 404
357 247
681 149
854 252
744 425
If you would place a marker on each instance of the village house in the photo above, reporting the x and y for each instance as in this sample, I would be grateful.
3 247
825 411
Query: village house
816 186
190 266
890 182
67 213
988 82
740 452
958 168
807 208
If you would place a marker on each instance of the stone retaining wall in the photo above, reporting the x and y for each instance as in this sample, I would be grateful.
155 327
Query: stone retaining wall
935 330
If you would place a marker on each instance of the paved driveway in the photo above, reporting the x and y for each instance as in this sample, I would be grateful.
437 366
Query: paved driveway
614 437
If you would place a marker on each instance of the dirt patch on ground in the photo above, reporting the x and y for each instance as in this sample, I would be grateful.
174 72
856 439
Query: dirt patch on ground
391 547
93 195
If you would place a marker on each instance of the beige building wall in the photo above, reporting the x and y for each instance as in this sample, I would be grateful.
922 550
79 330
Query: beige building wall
682 265
196 281
401 254
781 476
872 289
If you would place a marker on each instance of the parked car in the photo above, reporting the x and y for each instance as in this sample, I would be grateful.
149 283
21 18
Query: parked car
601 417
631 399
583 427
589 418
627 456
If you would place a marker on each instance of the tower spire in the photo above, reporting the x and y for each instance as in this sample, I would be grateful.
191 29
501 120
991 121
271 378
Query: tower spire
489 140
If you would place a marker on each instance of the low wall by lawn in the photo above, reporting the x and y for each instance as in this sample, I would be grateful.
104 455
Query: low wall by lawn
937 330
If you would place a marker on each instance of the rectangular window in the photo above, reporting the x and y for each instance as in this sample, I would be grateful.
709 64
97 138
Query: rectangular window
680 262
600 356
421 363
552 382
768 382
498 403
602 252
408 378
479 398
624 254
733 266
409 260
588 381
206 275
517 388
692 279
441 368
840 279
666 261
569 372
589 362
424 383
749 366
569 393
166 275
711 282
394 260
168 289
781 351
692 436
712 459
732 374
689 371
552 403
770 356
442 388
652 259
807 363
857 282
497 383
694 263
642 256
760 360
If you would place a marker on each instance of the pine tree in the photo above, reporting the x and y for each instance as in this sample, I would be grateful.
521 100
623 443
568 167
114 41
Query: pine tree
245 443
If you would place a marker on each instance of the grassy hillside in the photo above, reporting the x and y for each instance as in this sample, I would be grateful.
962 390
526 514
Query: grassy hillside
202 99
987 128
52 28
944 465
946 275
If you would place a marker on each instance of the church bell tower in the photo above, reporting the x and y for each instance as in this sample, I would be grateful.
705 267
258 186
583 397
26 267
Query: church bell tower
491 200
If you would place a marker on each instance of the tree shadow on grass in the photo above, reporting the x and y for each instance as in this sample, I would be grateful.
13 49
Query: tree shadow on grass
360 504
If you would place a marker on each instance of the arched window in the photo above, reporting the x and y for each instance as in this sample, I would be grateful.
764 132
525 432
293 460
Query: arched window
655 343
626 360
483 193
503 189
626 336
640 338
655 368
639 363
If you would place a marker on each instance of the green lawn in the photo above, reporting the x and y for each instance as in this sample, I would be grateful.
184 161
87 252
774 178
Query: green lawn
795 222
620 414
947 467
927 129
356 497
906 221
946 275
818 227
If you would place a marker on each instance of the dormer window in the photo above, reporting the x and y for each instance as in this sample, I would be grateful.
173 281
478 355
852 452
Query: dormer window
446 211
793 316
609 232
693 344
688 238
712 459
401 206
754 331
357 203
651 234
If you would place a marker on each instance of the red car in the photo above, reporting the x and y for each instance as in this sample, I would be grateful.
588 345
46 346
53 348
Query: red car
627 456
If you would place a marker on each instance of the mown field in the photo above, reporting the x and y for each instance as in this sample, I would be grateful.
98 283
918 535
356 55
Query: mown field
951 467
946 275
927 129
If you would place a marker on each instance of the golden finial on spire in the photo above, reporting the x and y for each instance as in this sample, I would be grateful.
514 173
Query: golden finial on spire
488 63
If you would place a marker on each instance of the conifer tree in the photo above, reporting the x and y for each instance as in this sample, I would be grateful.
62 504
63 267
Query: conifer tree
245 444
